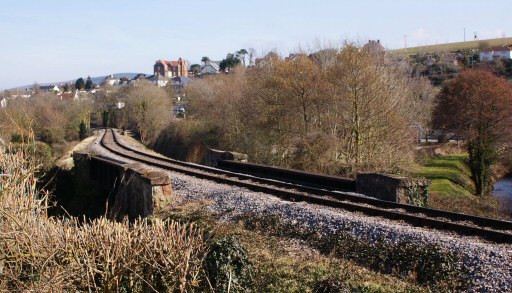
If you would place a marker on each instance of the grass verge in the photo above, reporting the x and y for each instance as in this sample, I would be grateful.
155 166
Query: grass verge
449 47
452 188
289 258
450 175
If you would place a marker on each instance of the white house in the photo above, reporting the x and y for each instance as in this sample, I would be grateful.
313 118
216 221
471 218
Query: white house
159 80
50 88
494 53
111 80
3 103
211 67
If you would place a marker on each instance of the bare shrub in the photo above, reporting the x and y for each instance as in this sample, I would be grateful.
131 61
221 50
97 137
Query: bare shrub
147 110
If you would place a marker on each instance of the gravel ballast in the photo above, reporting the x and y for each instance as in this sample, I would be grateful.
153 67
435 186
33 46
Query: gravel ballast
490 263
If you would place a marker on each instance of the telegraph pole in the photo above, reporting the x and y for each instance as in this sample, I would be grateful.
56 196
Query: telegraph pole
464 34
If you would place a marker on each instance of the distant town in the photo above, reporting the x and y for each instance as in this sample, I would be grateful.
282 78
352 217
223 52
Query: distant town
438 62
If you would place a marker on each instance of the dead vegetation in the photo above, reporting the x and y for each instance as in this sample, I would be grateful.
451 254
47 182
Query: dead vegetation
335 111
42 254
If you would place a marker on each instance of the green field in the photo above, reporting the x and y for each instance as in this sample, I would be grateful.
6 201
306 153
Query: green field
450 175
450 47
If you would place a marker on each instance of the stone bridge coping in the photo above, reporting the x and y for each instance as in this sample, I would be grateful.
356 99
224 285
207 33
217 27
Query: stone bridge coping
399 180
155 177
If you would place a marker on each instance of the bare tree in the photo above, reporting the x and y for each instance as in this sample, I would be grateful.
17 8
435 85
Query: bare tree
297 83
252 53
375 103
148 109
334 111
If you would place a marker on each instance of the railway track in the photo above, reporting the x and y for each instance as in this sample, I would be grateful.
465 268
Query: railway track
486 228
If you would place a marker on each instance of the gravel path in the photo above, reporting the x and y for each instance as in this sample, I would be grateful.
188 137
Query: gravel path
490 263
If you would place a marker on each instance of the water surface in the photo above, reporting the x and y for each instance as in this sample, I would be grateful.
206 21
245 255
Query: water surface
503 192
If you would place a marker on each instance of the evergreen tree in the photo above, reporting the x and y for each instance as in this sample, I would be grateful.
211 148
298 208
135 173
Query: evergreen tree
80 84
83 131
106 118
241 54
195 68
89 85
205 59
230 62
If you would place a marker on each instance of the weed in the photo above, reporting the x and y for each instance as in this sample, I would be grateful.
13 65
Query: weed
428 264
228 266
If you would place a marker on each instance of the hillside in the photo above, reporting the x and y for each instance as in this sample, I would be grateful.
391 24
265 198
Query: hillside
95 79
479 44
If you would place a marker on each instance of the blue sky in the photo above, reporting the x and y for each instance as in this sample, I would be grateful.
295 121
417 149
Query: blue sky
51 40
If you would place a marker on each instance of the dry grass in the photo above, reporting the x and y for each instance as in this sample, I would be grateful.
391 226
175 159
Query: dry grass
43 254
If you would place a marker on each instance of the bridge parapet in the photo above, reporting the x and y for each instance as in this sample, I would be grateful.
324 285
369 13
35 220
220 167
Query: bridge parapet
134 189
394 188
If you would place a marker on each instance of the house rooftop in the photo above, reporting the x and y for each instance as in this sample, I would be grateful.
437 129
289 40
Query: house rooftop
214 64
499 48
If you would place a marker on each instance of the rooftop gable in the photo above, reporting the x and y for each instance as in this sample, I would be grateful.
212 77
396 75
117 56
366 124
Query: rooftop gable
499 49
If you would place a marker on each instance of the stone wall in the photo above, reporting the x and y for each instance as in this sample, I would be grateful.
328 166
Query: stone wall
394 188
212 157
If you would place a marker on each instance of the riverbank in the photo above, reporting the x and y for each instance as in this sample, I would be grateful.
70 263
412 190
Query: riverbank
452 188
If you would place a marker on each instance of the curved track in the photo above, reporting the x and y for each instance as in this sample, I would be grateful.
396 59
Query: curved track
490 229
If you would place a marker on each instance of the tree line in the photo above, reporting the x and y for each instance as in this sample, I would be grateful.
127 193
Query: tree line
348 110
334 111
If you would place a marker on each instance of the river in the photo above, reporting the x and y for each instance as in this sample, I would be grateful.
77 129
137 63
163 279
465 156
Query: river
503 192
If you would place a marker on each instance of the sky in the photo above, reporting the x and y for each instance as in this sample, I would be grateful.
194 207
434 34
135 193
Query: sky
55 40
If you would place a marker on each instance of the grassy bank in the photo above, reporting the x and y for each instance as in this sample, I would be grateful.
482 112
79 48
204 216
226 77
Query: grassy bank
450 175
39 253
185 253
450 47
452 188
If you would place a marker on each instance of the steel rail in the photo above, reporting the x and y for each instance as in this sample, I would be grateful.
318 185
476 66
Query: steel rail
416 216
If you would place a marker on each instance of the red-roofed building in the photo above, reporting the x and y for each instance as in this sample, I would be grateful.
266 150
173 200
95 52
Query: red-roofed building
494 53
171 69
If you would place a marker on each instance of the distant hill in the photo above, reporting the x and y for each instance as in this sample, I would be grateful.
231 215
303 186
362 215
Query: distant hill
450 47
99 79
96 80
